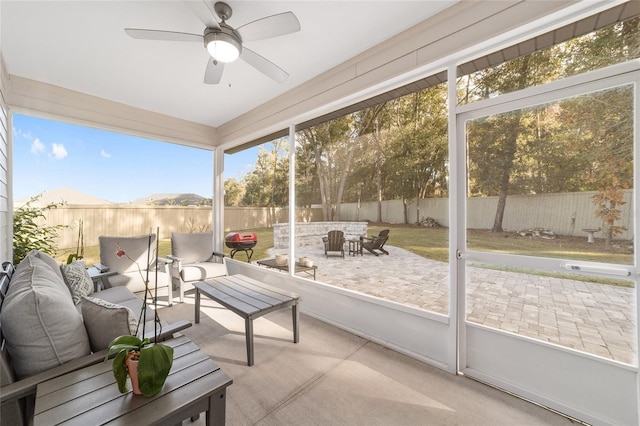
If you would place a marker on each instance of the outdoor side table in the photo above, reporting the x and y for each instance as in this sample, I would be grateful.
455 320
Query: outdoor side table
98 277
355 246
90 396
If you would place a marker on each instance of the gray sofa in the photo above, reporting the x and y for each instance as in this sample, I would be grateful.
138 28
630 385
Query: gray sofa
53 323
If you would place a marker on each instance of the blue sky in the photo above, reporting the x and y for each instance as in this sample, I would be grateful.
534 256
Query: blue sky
48 155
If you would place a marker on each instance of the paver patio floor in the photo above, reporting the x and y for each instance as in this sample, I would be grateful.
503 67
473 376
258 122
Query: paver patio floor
594 318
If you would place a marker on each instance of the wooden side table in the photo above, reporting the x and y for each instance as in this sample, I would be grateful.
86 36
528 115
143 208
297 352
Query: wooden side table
98 277
355 246
90 396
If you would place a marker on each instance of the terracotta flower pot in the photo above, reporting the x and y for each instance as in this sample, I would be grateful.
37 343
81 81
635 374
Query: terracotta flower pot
132 369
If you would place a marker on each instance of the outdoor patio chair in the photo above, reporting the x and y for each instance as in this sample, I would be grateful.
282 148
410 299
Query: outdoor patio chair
193 259
334 241
376 243
131 267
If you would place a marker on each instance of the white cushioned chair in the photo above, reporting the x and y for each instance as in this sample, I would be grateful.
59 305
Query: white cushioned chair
132 268
193 259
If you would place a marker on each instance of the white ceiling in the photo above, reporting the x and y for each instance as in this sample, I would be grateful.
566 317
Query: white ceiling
81 45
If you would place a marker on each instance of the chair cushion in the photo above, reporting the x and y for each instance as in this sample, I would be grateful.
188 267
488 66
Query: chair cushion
78 280
104 321
136 249
203 270
134 282
41 326
192 247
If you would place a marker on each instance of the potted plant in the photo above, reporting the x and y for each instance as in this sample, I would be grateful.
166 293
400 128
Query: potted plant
148 362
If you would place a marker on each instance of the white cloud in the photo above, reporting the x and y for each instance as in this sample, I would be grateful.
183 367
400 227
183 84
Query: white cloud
59 151
37 147
19 133
104 154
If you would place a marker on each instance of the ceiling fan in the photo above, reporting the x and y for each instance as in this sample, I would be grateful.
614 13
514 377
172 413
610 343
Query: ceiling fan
224 43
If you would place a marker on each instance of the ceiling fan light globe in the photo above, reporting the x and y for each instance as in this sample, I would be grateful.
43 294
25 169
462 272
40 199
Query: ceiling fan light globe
223 51
223 44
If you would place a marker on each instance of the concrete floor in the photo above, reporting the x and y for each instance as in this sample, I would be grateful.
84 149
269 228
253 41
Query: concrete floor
332 377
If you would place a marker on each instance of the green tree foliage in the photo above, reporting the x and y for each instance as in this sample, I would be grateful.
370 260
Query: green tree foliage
330 148
576 144
233 192
268 183
28 234
398 150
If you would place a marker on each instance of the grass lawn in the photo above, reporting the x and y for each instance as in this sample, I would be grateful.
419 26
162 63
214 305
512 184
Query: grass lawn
433 243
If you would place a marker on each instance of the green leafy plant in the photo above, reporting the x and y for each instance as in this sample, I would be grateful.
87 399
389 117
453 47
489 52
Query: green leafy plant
28 234
154 363
154 359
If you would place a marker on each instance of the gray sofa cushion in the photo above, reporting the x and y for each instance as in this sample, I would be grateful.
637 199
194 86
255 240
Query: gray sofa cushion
192 247
104 321
116 295
78 280
40 324
55 266
122 296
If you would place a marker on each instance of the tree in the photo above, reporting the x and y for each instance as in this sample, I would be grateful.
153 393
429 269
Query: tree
607 202
537 150
233 192
328 145
267 184
417 167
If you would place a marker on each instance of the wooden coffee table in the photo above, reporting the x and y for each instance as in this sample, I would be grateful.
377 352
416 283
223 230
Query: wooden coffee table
250 299
90 396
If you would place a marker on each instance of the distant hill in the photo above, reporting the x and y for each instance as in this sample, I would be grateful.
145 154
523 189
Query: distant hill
63 195
173 200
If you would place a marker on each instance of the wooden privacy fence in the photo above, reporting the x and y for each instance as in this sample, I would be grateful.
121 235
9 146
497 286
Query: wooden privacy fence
564 214
125 220
130 220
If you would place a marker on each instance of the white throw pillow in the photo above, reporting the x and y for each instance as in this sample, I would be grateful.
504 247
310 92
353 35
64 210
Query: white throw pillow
78 280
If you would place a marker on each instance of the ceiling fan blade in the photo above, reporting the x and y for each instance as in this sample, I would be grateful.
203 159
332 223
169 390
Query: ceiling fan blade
263 65
162 35
204 11
213 73
271 26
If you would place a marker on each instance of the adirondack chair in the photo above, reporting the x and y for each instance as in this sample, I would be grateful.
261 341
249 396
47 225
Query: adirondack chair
334 241
376 243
